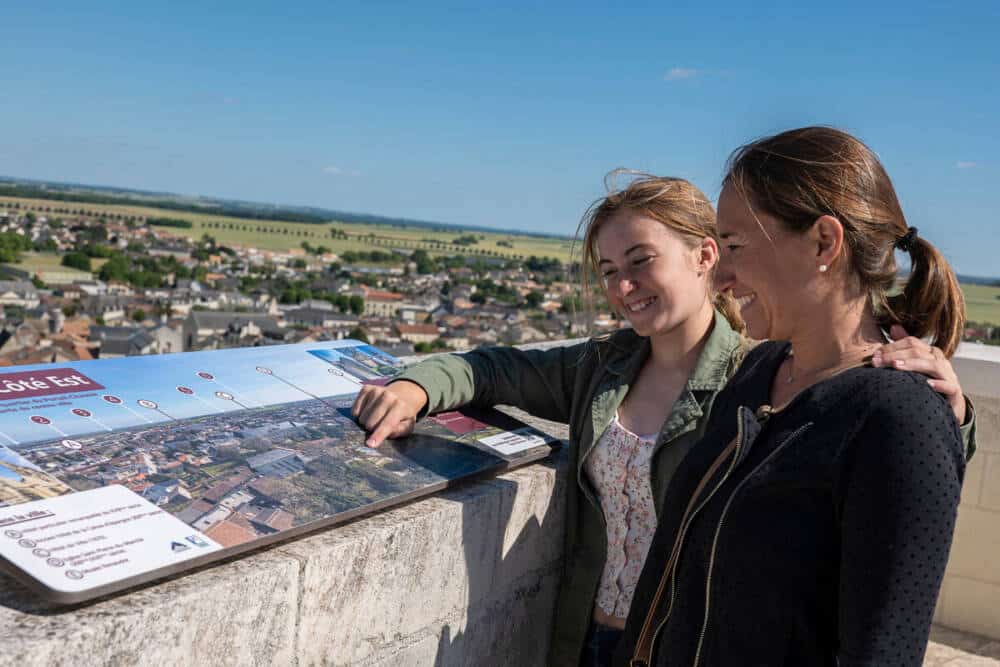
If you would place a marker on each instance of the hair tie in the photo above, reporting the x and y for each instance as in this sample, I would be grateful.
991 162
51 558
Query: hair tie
905 243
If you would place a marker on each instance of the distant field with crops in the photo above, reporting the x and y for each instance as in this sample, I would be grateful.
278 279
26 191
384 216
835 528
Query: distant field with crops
982 304
338 236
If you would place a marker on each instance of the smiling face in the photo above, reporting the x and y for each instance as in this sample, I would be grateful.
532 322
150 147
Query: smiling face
769 269
652 277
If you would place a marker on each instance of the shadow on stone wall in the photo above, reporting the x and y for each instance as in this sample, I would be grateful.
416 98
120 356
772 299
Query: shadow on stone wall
513 578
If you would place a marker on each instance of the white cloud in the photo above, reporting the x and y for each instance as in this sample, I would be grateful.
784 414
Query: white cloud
339 171
678 73
962 164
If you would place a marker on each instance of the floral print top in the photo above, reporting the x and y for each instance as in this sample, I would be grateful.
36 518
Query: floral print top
618 467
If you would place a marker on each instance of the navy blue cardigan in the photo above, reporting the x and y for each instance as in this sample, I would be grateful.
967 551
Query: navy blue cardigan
823 538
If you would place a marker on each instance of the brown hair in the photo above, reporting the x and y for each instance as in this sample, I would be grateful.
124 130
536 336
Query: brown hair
674 202
800 175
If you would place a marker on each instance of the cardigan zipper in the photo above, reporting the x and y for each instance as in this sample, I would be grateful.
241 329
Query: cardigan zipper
718 530
679 547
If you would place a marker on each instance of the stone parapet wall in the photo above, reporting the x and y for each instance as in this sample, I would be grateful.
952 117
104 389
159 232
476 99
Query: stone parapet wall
970 597
468 576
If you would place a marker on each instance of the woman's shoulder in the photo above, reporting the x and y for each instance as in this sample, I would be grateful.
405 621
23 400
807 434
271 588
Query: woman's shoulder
896 395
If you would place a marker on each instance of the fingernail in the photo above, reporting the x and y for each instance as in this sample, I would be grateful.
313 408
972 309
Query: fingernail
899 363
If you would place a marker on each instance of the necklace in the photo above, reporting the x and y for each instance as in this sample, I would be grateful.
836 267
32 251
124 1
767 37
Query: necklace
845 363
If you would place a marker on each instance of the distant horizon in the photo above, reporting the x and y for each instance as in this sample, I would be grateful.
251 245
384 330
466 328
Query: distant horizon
375 218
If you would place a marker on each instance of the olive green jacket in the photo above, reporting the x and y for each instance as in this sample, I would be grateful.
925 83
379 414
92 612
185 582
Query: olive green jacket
583 385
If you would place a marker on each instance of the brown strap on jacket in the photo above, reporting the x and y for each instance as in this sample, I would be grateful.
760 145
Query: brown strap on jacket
644 646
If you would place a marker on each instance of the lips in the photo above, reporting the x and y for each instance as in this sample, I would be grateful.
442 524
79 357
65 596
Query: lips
640 304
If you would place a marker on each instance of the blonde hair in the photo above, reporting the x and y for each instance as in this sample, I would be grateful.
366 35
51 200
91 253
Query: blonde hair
674 202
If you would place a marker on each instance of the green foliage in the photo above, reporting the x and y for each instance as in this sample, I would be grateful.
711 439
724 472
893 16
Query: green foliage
488 289
11 246
571 304
433 346
138 315
373 256
295 293
534 298
341 301
357 333
170 222
97 250
76 260
357 304
425 264
37 282
543 264
465 240
116 268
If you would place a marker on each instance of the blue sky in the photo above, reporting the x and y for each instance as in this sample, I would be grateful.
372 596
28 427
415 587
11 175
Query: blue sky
506 116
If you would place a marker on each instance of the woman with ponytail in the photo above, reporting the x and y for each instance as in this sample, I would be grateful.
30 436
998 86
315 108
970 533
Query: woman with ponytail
636 400
812 522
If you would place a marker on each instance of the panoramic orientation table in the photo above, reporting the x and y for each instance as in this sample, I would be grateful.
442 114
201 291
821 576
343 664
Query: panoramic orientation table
118 472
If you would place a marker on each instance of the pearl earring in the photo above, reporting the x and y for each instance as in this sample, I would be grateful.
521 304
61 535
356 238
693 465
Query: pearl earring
822 268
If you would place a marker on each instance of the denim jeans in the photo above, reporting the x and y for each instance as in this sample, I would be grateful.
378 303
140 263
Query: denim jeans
600 645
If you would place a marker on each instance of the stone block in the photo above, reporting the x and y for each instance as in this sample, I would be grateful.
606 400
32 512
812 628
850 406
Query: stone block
987 420
976 545
972 485
369 584
973 606
978 367
989 496
236 613
534 532
425 564
939 605
512 630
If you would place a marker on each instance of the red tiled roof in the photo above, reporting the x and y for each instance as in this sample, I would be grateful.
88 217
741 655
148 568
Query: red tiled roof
228 533
376 295
428 329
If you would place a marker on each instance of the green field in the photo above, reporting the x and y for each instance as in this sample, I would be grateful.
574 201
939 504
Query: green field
271 235
982 304
35 262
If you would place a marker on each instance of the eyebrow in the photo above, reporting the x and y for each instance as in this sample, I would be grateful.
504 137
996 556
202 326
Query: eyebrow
637 246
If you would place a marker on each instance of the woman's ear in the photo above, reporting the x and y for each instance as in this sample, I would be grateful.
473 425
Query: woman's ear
827 235
706 255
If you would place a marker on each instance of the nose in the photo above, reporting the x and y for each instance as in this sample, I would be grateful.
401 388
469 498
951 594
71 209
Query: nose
626 286
724 278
